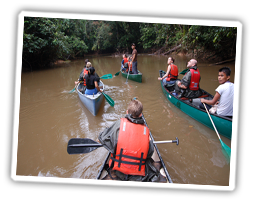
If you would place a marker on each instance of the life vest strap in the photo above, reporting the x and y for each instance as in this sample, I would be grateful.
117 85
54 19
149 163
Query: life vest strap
142 161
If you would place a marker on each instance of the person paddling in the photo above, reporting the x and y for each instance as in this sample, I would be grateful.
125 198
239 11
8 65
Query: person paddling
82 75
92 82
224 95
171 74
124 62
131 149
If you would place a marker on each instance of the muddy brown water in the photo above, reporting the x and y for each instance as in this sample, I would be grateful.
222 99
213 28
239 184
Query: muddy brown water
50 116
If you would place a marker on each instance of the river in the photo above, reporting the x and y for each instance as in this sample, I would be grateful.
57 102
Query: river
50 116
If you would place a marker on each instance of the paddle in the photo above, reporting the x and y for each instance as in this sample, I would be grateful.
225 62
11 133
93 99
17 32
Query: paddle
109 100
159 155
86 145
106 76
226 148
183 72
116 74
128 74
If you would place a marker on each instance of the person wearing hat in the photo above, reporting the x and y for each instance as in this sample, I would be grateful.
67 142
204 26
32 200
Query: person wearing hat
134 59
91 79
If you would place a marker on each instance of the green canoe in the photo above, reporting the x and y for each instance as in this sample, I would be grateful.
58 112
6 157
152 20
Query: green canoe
191 108
133 77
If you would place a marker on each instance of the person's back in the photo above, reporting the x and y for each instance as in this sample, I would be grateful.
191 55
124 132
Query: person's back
91 82
129 136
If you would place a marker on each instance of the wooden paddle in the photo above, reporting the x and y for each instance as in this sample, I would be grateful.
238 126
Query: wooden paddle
106 76
86 145
226 148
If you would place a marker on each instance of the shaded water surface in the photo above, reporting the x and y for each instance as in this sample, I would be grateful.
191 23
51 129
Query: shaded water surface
50 116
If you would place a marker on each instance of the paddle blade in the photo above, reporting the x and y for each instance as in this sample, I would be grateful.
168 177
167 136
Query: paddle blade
226 150
81 145
109 100
183 72
107 76
116 74
72 90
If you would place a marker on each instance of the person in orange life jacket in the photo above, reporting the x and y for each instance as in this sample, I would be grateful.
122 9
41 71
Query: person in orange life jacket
188 86
92 79
82 75
129 65
223 97
171 74
129 136
124 61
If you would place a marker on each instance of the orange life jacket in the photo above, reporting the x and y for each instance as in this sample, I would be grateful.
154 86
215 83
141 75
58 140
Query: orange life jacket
85 72
125 60
132 148
195 79
173 74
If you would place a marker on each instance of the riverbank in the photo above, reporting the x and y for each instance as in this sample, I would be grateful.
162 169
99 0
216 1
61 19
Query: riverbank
201 54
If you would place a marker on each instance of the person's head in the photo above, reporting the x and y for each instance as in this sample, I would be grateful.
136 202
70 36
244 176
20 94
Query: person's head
91 70
133 45
86 61
224 74
192 63
124 56
135 108
89 64
170 60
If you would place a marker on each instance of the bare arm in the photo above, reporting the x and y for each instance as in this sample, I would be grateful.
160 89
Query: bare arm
97 86
213 101
166 74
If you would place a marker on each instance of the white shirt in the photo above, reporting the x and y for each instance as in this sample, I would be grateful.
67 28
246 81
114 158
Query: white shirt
225 106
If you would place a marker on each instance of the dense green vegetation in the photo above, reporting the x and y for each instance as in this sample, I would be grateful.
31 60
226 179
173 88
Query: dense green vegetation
46 40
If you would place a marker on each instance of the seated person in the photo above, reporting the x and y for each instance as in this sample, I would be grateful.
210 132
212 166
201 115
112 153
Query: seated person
82 75
129 65
91 79
124 62
223 97
171 74
130 136
188 86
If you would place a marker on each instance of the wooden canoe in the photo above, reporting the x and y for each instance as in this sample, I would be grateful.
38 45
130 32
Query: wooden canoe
157 161
191 108
133 77
91 102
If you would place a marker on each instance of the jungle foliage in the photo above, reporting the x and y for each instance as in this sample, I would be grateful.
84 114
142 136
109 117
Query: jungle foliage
46 40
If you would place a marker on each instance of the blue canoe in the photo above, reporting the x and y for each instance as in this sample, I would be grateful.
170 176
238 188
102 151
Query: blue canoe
91 102
191 108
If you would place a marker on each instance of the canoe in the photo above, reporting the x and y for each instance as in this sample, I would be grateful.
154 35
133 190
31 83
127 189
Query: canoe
133 77
157 161
91 102
191 108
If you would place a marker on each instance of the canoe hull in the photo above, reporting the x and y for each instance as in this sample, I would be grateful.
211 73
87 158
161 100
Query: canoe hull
92 102
133 77
222 124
